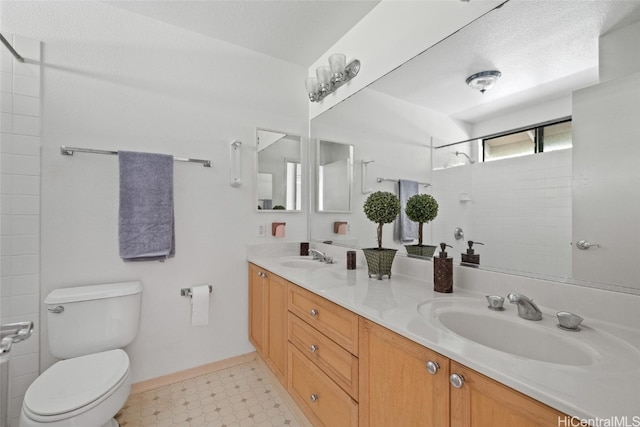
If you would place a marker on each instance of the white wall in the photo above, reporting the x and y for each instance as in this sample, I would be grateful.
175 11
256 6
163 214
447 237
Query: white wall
115 80
618 52
20 207
520 208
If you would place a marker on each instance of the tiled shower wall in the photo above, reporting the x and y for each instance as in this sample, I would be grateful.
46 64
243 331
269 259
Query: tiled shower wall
20 208
520 208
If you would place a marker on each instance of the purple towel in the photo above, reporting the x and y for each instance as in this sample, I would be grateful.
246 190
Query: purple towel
146 223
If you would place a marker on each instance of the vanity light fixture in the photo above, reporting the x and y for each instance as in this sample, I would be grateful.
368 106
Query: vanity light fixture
329 78
483 80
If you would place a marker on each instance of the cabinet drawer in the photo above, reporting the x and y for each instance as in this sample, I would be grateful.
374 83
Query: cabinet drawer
337 323
322 400
340 365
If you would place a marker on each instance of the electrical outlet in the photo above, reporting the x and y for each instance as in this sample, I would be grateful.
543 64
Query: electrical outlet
261 231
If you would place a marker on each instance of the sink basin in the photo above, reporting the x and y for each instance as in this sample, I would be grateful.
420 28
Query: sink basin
303 262
506 332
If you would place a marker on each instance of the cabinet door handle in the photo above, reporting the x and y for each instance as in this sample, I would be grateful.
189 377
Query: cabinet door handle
456 380
314 398
313 348
313 312
432 367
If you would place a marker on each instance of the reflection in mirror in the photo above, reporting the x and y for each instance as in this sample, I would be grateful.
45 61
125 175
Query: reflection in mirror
518 200
279 171
334 176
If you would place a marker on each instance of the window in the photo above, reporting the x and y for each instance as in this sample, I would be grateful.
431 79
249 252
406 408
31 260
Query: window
543 138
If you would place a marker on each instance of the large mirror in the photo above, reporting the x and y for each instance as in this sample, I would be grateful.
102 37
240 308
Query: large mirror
334 176
422 122
279 171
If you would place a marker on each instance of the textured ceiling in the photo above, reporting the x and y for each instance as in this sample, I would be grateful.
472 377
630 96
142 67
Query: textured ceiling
544 49
297 31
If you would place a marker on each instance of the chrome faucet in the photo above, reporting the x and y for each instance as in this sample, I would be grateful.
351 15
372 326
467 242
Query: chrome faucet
316 254
527 309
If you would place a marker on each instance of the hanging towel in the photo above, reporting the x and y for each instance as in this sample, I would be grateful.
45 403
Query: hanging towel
406 230
146 223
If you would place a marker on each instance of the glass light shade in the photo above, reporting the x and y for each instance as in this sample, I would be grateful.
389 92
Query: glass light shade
337 62
324 75
483 80
311 83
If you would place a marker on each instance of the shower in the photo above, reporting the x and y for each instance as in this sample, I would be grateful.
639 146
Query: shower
471 161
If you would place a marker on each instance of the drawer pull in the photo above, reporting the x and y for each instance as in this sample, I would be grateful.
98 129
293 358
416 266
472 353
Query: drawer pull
456 380
313 348
314 398
432 367
313 312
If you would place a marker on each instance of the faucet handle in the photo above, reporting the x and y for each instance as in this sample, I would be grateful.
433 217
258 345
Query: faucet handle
496 302
569 321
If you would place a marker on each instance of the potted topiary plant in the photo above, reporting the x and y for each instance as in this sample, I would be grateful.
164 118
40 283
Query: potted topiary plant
421 208
382 208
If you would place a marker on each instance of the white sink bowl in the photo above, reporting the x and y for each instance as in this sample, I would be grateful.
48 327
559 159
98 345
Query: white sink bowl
509 336
303 263
508 333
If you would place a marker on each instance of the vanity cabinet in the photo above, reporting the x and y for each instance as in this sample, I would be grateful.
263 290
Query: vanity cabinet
483 402
268 319
323 359
344 370
396 386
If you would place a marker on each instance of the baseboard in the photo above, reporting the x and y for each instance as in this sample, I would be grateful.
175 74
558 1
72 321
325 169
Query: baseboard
165 380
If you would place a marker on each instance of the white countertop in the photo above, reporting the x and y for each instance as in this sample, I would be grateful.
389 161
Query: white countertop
606 387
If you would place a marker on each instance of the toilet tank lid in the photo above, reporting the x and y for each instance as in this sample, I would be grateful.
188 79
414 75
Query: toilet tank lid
92 292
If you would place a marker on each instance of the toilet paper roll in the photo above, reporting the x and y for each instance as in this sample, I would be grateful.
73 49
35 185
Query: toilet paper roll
200 305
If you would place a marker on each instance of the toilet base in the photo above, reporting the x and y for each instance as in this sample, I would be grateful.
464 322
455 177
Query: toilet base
111 423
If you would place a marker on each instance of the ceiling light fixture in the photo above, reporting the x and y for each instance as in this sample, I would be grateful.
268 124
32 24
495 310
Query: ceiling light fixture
329 78
483 80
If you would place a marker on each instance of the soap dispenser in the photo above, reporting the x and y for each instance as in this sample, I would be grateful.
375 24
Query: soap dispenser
443 271
471 258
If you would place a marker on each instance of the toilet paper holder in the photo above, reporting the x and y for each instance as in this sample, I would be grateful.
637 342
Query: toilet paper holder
186 292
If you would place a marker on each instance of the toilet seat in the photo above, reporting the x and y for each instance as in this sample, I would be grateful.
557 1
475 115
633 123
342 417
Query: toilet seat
74 386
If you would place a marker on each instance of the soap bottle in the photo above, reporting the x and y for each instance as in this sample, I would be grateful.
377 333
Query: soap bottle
443 271
471 258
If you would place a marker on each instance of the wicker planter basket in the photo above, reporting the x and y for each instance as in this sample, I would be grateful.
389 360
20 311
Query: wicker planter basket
379 261
421 250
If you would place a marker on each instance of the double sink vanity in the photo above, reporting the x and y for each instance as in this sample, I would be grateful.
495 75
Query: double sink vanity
353 351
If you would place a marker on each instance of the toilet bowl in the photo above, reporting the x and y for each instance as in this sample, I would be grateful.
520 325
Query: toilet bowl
88 326
85 391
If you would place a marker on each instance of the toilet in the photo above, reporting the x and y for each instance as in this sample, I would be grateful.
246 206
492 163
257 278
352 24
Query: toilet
88 326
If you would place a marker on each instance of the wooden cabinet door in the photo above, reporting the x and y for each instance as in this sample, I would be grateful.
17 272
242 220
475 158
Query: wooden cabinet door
277 326
257 309
483 402
395 387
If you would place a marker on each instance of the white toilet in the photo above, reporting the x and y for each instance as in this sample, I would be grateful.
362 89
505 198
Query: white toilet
88 326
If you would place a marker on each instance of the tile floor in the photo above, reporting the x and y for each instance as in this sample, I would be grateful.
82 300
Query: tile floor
243 395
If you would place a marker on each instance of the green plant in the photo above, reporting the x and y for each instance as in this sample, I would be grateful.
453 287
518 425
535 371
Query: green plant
382 208
421 208
278 208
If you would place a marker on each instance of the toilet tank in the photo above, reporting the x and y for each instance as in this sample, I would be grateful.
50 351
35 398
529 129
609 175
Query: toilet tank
94 318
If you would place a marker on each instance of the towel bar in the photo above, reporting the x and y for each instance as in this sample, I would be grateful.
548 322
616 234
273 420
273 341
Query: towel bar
68 151
186 292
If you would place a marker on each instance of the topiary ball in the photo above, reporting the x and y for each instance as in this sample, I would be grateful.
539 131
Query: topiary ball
421 208
382 207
